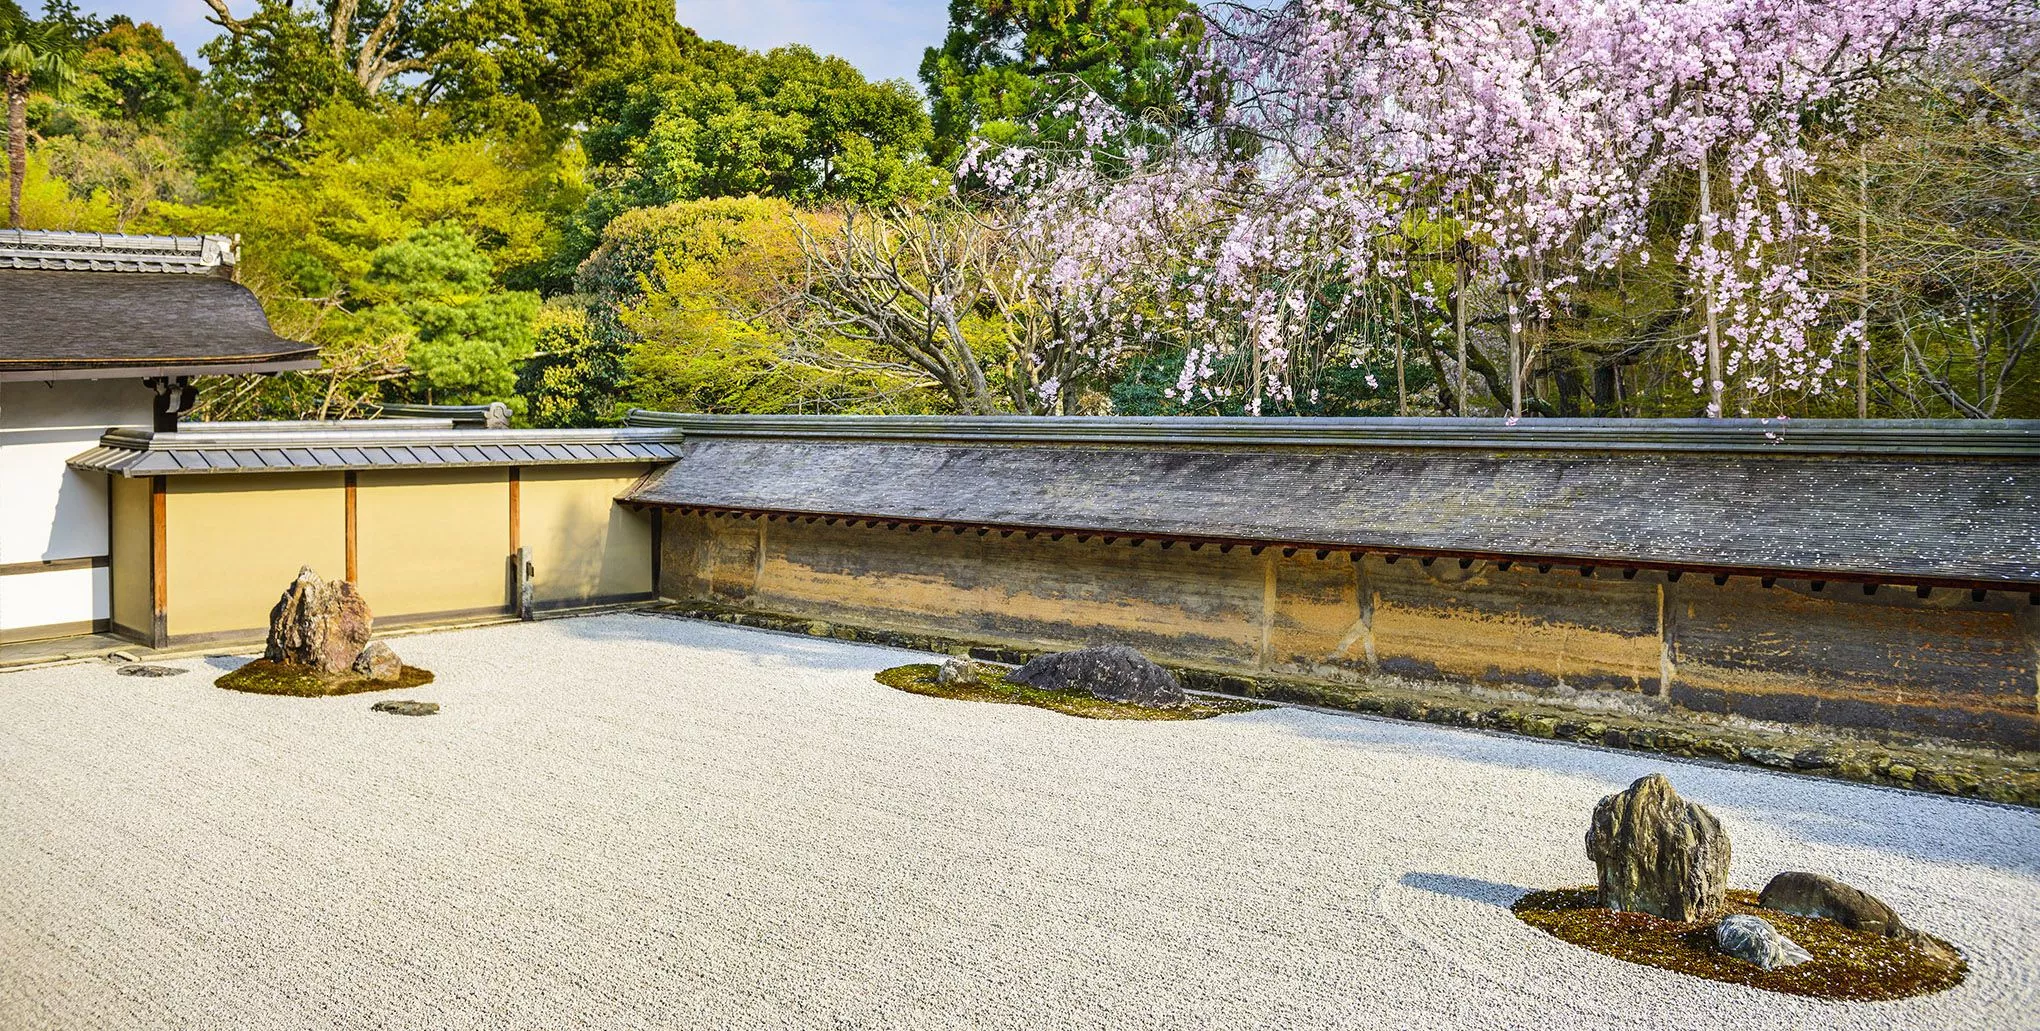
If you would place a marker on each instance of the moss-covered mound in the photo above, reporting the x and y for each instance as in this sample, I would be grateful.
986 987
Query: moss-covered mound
265 677
1846 964
919 678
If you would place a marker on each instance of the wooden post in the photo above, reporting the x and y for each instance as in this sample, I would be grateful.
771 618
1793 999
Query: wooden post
658 549
353 547
520 556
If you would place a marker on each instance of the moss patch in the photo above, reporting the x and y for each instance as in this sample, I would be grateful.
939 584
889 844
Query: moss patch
919 678
1846 964
265 677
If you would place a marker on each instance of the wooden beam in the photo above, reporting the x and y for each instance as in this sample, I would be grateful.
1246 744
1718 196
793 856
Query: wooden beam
353 537
516 509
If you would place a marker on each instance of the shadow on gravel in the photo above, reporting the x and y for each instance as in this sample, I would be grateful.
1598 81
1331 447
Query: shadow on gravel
760 647
1930 828
1472 889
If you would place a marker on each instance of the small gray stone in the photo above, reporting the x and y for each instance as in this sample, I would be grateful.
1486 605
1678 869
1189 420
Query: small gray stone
1113 673
150 671
1753 940
1657 853
378 661
121 658
406 708
962 672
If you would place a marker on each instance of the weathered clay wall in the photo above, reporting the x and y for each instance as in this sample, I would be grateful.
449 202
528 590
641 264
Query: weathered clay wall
1945 665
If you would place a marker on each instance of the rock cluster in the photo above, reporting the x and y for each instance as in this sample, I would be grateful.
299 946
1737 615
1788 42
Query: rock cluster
1754 940
1657 853
1660 854
1113 673
1810 894
325 625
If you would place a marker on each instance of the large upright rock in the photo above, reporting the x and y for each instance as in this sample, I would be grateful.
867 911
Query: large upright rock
1112 672
1658 853
318 624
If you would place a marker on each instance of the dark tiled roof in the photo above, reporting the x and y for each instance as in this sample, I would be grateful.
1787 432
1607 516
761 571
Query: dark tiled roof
253 447
115 252
51 320
1826 512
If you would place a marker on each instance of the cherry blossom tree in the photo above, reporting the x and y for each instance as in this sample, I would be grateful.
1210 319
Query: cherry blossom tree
1436 154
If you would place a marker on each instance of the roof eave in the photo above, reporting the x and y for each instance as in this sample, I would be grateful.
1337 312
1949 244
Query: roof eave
266 366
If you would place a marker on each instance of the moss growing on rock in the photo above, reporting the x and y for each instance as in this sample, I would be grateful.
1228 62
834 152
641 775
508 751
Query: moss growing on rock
920 678
1846 965
287 678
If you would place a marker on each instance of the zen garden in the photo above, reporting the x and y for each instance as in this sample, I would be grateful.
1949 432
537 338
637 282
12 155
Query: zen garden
903 514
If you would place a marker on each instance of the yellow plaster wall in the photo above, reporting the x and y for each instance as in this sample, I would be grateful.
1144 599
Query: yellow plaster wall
433 542
584 546
133 609
233 542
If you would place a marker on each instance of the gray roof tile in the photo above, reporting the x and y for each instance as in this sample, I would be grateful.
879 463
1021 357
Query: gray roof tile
1960 519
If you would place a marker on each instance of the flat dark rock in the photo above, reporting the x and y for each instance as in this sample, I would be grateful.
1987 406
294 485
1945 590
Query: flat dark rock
138 670
406 708
1114 673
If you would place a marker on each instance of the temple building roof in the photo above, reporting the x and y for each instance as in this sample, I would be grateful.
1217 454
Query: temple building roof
1884 501
94 305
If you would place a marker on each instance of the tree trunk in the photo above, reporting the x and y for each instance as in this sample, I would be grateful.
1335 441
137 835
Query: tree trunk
1863 275
17 144
1459 317
1714 381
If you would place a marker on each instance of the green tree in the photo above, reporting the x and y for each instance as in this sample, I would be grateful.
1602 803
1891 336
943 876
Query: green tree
130 72
487 64
115 135
465 334
34 55
312 228
995 70
732 122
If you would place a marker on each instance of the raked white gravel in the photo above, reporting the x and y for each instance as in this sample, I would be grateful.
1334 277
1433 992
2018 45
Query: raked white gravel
628 821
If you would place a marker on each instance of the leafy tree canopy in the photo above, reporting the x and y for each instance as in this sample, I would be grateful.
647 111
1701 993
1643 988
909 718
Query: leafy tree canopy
489 64
994 71
731 122
463 334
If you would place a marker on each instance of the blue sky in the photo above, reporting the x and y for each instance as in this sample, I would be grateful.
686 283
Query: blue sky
883 38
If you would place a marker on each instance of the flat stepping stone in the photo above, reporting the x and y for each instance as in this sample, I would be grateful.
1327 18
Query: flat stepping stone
406 708
139 670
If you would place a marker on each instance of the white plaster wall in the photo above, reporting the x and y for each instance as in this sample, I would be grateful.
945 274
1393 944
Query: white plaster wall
48 511
52 599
